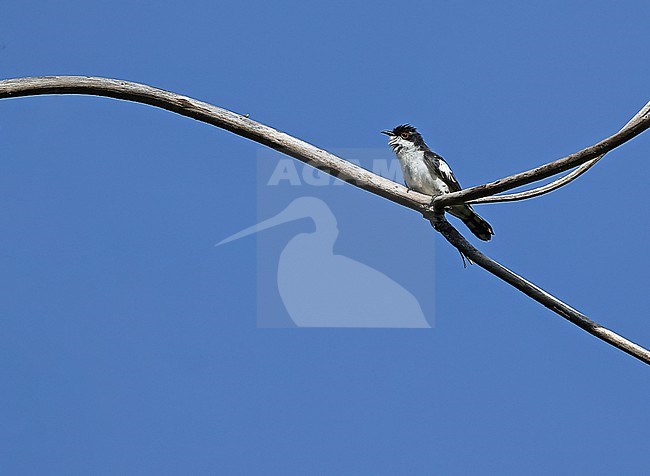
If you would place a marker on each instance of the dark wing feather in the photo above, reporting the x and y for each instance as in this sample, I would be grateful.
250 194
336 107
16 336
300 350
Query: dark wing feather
438 166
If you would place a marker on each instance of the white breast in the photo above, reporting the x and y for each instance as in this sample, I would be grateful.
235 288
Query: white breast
417 175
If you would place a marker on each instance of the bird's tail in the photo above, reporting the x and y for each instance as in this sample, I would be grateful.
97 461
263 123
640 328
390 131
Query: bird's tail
473 220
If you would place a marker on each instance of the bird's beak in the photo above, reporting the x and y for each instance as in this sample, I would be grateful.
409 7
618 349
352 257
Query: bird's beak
387 132
294 211
279 219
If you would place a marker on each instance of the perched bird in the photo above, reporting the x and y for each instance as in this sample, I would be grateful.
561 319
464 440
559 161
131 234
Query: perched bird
426 172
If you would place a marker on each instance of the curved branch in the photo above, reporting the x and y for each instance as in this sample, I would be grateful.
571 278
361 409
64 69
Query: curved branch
216 116
323 160
638 124
554 185
544 189
531 290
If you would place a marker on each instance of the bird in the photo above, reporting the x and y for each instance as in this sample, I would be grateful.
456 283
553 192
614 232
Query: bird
426 172
321 288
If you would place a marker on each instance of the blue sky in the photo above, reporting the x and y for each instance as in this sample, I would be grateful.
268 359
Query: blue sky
129 343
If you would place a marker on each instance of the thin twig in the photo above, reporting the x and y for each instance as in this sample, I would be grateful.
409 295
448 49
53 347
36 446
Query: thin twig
333 165
562 181
639 123
544 189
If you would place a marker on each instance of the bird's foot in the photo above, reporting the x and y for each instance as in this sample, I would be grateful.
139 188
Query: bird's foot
432 203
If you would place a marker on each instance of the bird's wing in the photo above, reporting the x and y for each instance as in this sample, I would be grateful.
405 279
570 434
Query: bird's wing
438 166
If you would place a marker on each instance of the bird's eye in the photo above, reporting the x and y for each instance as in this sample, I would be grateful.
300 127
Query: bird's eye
405 135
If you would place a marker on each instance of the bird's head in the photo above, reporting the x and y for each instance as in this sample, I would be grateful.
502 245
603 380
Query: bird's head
404 136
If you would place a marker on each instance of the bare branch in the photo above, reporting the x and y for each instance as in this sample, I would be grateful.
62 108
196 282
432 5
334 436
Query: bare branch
216 116
333 165
538 294
544 189
554 185
637 125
